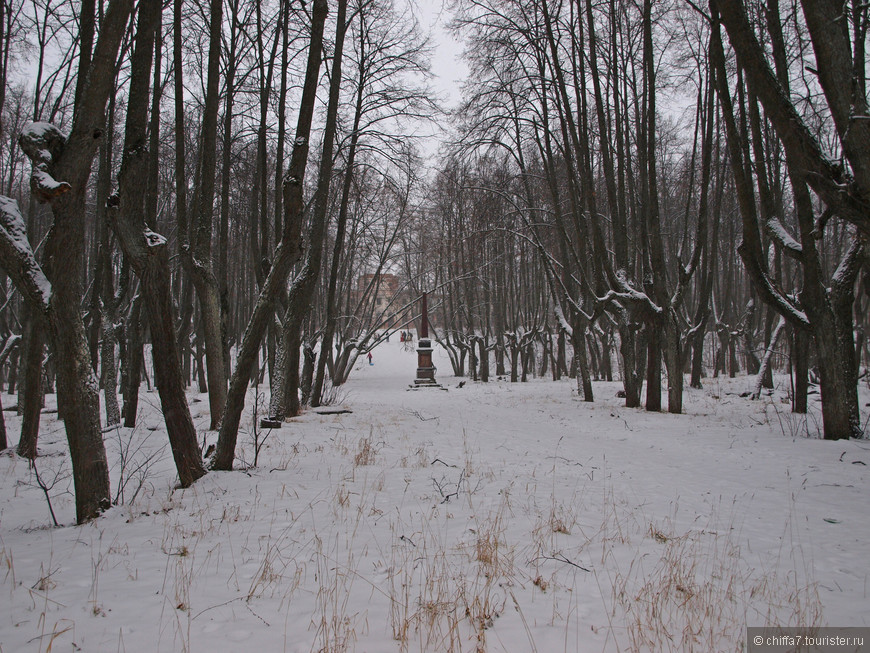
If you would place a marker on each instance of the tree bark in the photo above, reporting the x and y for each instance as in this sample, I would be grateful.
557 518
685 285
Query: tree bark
4 444
135 361
341 226
800 369
827 314
109 373
766 362
32 397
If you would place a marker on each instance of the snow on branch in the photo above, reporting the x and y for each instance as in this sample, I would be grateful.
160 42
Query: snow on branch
629 296
562 320
153 240
43 143
770 292
10 343
626 292
17 258
789 245
847 271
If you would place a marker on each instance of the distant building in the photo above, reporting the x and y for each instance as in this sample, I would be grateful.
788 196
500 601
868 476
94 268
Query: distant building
385 300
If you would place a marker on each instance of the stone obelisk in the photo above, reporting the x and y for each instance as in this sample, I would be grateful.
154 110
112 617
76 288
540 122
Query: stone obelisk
425 367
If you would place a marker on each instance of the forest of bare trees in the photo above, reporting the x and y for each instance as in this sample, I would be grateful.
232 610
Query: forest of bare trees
193 192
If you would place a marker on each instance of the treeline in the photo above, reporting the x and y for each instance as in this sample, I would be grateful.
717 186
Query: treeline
664 187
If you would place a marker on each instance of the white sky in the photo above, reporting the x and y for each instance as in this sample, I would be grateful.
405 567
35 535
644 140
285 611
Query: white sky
448 68
447 64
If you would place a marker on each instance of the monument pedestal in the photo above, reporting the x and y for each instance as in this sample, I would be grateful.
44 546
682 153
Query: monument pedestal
425 367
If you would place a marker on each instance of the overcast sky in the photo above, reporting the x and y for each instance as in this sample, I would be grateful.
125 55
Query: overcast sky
447 66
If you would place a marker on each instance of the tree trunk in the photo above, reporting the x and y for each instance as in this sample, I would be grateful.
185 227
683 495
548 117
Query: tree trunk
167 367
800 365
546 344
13 369
653 366
291 377
484 360
632 382
30 401
223 267
499 357
278 397
61 178
606 350
198 257
595 355
134 363
733 365
331 306
766 362
302 290
673 353
698 356
4 444
184 290
106 315
109 371
77 386
149 256
562 357
305 379
826 307
584 380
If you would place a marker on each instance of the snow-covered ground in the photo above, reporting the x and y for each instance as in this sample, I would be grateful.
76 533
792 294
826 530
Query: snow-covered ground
496 517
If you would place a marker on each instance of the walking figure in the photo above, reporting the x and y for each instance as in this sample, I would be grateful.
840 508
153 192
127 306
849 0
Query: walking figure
370 359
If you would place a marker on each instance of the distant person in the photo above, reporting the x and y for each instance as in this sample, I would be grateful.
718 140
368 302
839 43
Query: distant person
370 359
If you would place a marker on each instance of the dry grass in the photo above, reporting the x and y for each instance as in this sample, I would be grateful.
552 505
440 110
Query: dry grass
697 593
365 454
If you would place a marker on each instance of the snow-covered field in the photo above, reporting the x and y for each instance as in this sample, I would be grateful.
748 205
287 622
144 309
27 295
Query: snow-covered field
496 517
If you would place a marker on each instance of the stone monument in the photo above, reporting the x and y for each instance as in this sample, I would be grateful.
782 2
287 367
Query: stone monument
425 366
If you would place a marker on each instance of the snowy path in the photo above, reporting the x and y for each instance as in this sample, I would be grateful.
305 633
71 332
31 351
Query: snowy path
513 517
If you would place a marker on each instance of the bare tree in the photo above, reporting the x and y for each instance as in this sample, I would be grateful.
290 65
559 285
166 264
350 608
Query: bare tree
286 254
61 168
386 57
198 253
148 253
302 288
824 306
